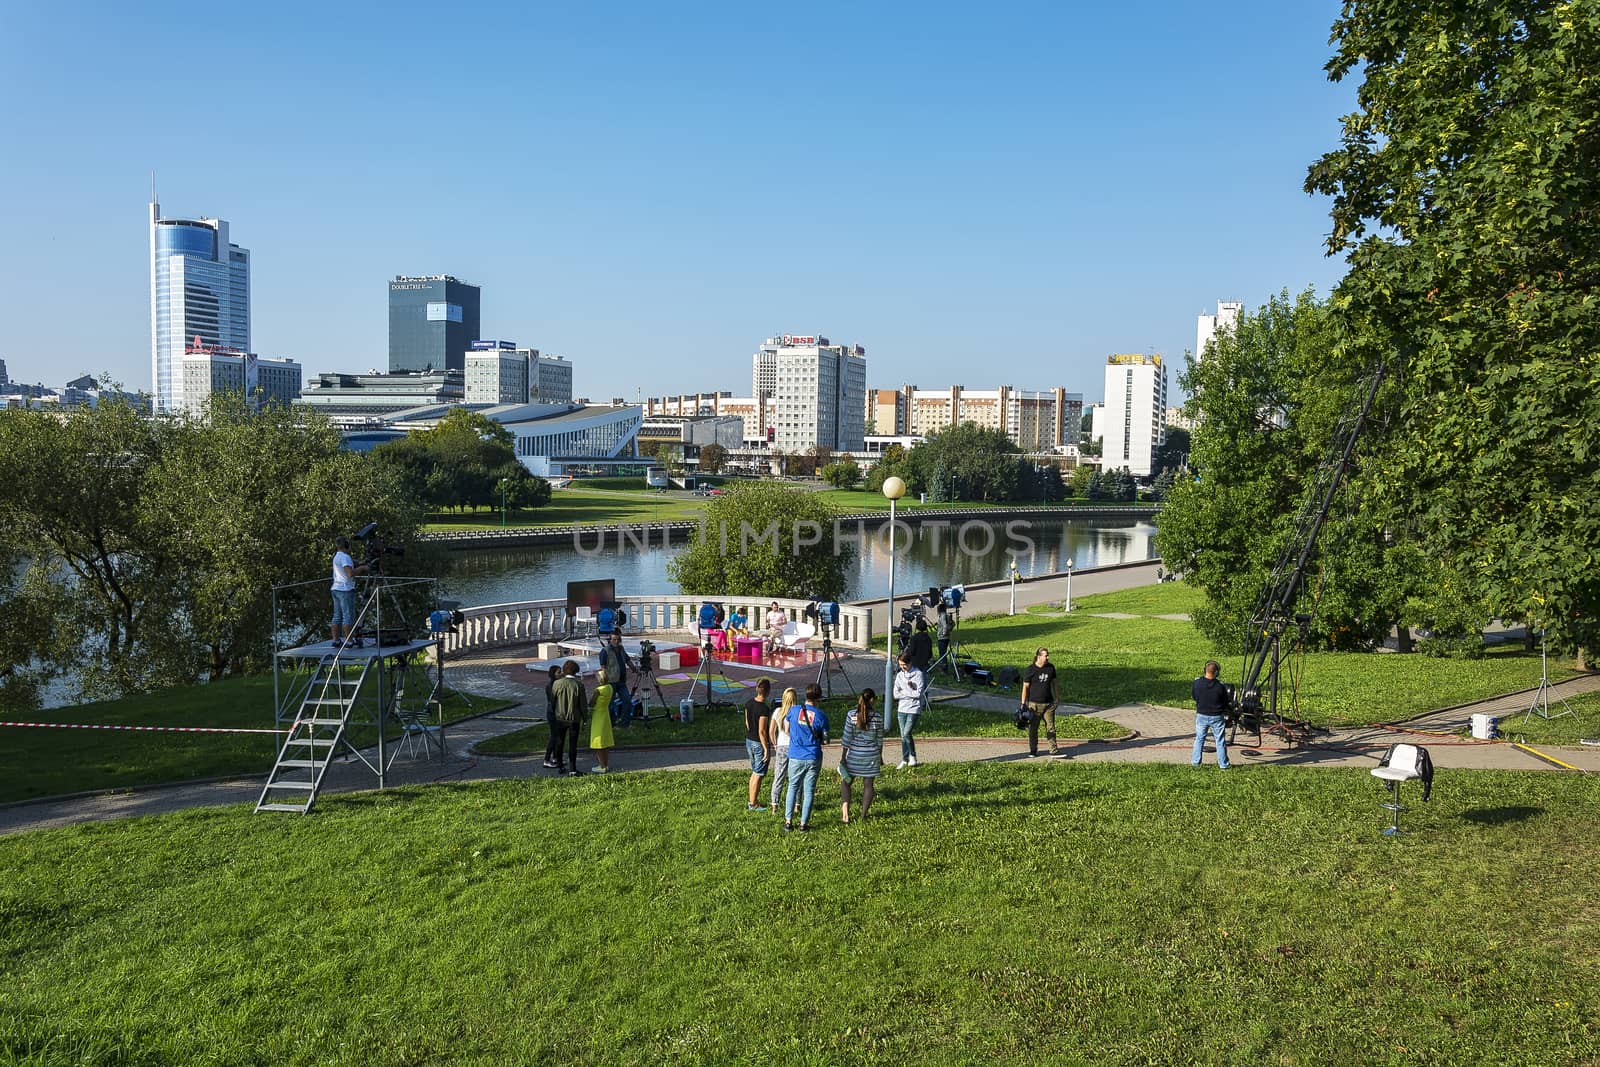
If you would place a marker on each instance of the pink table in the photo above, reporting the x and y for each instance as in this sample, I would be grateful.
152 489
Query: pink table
748 646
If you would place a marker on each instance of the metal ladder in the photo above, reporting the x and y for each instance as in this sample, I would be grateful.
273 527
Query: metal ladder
314 737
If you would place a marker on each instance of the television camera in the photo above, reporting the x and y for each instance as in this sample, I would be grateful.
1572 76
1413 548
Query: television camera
374 548
951 596
444 621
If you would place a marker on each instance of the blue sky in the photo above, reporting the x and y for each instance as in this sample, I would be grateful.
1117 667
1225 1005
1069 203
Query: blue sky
978 194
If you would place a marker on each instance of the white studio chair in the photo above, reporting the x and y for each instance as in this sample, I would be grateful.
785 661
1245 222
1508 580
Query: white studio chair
1403 763
796 634
582 620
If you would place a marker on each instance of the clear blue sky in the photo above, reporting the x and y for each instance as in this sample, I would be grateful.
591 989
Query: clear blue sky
977 193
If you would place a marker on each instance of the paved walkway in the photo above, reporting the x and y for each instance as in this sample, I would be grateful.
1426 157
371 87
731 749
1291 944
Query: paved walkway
1158 735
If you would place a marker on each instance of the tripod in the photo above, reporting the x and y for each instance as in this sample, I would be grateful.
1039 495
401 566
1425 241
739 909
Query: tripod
1541 696
646 680
951 657
441 689
705 671
830 664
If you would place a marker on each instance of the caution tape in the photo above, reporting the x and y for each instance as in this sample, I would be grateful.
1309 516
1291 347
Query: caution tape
150 729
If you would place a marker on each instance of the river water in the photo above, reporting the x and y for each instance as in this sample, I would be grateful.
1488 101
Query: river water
937 555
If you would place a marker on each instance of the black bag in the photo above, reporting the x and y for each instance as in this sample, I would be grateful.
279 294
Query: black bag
1022 718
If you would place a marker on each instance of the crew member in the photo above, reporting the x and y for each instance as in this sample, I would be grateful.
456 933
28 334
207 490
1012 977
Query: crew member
943 626
920 647
614 665
345 570
1210 706
1041 692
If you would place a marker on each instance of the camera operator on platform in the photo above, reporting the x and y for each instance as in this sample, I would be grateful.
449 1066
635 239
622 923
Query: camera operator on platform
345 570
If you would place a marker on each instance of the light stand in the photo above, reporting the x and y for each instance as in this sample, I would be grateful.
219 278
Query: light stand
704 671
952 654
828 665
1541 696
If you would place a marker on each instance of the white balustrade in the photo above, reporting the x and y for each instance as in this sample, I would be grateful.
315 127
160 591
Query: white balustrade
529 621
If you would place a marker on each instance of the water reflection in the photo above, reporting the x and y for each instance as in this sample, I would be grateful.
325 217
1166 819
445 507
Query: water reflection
936 555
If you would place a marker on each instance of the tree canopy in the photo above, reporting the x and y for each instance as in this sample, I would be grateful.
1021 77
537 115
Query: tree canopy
765 539
1466 198
965 462
466 460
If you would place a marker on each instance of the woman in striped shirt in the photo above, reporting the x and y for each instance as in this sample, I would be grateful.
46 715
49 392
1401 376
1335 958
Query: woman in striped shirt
862 756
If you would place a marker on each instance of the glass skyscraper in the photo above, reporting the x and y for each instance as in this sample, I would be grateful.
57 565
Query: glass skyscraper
432 323
199 287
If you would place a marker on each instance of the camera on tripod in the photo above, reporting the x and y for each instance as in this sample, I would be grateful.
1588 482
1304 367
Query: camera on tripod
824 615
647 655
444 621
375 548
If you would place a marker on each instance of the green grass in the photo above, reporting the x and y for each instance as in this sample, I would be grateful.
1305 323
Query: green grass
1583 723
41 762
580 506
986 914
866 500
1106 662
726 726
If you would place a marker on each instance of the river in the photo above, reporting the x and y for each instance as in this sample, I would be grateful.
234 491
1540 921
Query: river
937 555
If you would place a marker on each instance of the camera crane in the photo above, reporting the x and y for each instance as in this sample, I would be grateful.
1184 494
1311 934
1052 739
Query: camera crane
1274 611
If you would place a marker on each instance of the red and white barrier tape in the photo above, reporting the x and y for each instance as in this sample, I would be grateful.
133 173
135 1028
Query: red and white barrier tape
155 729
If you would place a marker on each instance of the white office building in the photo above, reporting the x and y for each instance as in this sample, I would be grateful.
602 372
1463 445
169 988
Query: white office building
1135 420
498 372
199 294
263 381
819 392
1226 318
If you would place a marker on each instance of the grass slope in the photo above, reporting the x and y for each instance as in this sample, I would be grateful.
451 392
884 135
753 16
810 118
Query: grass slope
1105 662
987 913
41 762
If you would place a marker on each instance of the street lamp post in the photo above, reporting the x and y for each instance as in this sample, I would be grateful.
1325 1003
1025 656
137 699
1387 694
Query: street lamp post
502 503
1014 575
1069 585
894 489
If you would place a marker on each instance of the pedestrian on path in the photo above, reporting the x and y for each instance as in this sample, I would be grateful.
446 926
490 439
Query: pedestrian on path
758 739
808 732
1041 692
780 747
565 720
601 738
910 695
861 754
1210 706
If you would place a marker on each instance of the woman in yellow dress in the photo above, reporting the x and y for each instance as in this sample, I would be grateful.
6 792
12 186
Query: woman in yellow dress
600 738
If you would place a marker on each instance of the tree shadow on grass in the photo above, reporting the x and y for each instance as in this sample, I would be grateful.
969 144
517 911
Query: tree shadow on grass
1500 816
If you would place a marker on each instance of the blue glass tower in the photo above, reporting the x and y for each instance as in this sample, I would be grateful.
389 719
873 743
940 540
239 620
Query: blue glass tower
199 288
432 322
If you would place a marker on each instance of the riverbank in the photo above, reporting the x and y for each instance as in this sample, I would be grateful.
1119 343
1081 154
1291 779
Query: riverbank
646 532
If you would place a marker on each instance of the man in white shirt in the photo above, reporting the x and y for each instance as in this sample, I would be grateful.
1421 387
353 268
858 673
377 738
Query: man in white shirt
345 570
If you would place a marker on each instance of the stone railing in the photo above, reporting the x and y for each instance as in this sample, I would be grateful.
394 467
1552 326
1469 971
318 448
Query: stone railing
529 621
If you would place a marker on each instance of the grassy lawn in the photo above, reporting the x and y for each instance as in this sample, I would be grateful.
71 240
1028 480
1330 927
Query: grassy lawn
1583 723
1105 662
727 726
987 913
581 506
41 762
865 500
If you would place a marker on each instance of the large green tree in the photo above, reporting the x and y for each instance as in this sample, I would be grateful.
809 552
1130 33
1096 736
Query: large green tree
965 462
1466 197
465 460
765 539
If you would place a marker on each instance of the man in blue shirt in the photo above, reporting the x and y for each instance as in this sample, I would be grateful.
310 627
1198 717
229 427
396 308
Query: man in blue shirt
808 732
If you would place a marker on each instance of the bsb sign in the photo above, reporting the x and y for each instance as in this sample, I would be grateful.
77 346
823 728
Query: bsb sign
795 339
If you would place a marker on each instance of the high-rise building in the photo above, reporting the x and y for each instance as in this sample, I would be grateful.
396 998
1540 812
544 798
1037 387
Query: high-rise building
1226 318
1038 420
199 289
263 381
433 321
819 392
886 411
498 372
1136 412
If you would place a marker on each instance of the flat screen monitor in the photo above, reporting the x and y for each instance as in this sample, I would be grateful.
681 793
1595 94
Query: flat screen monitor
594 595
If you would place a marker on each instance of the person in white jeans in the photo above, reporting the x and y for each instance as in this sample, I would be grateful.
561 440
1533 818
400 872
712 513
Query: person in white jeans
780 746
910 694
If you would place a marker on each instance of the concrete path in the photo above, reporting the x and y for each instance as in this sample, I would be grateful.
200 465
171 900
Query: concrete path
1159 735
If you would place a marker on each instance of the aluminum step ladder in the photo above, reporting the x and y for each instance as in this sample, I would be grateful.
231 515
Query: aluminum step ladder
315 736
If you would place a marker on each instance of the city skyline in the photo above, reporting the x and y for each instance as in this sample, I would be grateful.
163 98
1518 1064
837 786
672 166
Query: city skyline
1049 204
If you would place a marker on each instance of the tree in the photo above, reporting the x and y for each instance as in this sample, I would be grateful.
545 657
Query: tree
1466 198
965 462
843 474
765 539
461 462
649 447
1174 452
1086 482
1118 484
712 457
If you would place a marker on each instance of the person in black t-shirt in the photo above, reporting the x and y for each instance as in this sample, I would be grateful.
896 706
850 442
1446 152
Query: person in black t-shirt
758 739
1210 714
920 647
1041 692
